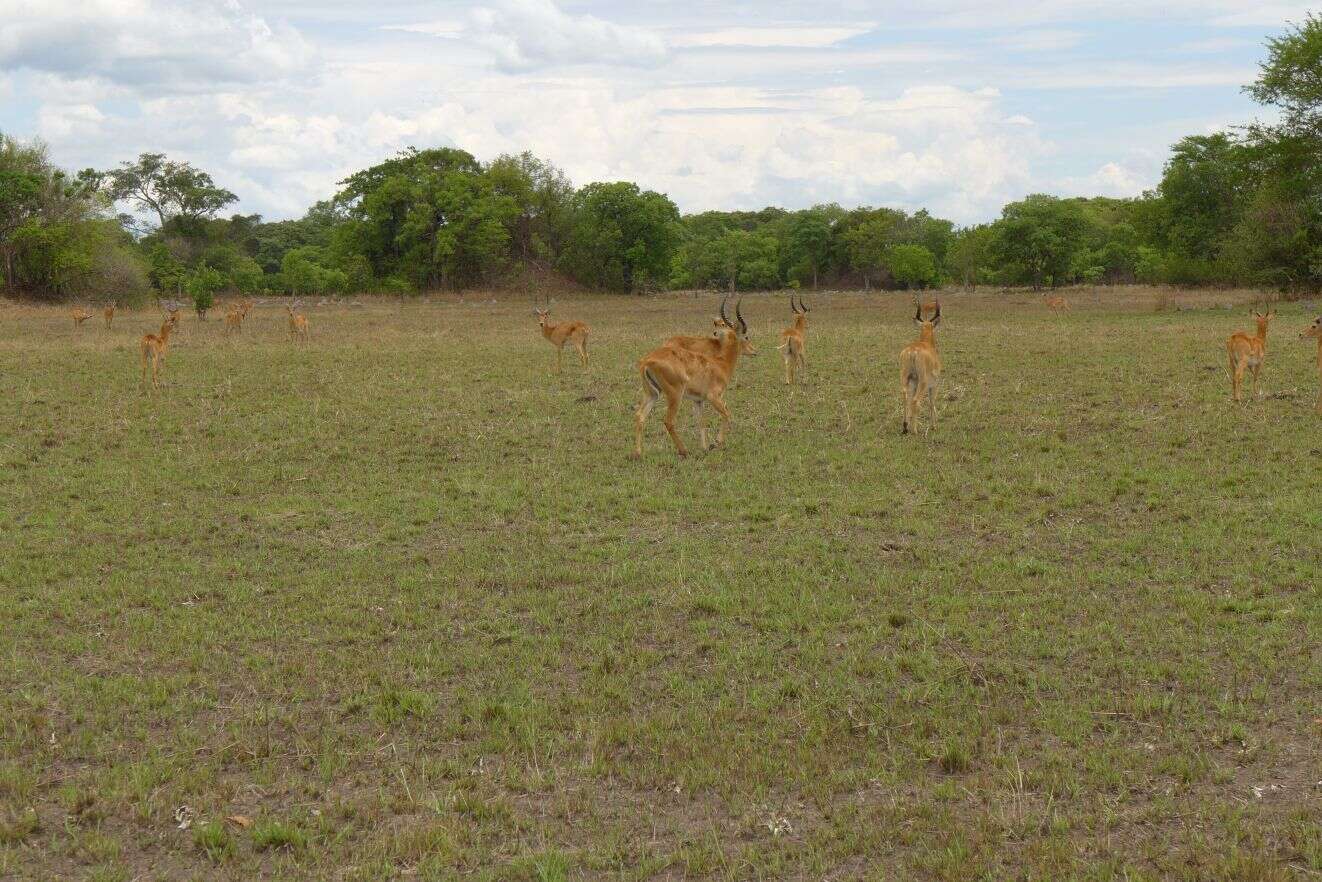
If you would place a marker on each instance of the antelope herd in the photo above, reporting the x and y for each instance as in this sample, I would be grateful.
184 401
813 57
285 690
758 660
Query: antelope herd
699 368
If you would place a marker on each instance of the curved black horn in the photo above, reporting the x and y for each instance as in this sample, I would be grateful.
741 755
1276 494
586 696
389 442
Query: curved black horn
743 325
794 309
803 306
918 316
723 316
936 316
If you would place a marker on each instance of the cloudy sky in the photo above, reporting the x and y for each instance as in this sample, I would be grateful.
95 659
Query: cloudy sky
954 105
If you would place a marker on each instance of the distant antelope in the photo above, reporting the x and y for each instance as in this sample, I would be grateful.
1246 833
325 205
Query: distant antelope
109 312
560 333
1248 352
1056 304
298 323
1315 331
926 307
920 370
791 340
680 373
79 315
154 347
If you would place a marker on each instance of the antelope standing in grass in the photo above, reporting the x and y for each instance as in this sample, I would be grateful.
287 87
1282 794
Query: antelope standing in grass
925 307
560 333
109 312
79 315
1056 304
298 323
920 370
679 373
791 340
1315 331
1249 353
154 347
235 315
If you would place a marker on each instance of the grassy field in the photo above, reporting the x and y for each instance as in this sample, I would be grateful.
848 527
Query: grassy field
396 603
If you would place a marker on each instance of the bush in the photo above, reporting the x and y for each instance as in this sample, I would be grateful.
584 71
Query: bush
202 285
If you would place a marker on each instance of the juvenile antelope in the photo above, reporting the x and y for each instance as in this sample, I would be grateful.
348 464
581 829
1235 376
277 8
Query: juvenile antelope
154 347
79 315
1315 331
298 323
1056 304
920 370
560 333
1248 352
791 340
679 373
109 312
234 319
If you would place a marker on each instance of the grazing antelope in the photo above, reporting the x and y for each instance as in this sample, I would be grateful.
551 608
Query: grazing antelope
1248 352
679 373
154 347
791 340
1056 304
1315 331
560 333
298 323
109 312
920 370
79 315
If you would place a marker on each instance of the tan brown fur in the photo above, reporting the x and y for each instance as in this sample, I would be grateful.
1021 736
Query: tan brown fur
560 333
920 370
793 343
677 373
1314 331
1248 353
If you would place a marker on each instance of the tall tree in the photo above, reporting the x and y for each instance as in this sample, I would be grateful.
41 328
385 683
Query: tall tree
164 188
621 238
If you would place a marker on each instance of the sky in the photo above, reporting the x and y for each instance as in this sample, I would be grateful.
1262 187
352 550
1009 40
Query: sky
957 106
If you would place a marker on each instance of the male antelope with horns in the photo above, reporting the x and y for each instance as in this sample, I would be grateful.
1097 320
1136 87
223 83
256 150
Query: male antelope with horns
679 373
920 370
791 340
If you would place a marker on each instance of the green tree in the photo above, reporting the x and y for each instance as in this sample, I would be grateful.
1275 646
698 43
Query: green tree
969 253
164 188
913 266
868 242
621 238
202 285
1035 240
810 243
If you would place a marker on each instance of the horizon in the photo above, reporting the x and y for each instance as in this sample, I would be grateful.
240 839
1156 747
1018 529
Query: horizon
959 110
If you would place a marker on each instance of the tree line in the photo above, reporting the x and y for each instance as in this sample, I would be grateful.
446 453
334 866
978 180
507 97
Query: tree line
1241 207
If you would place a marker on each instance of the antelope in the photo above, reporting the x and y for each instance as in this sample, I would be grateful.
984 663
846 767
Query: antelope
679 373
109 312
709 345
79 315
559 333
920 369
791 338
298 323
924 306
154 346
1056 304
1248 352
234 319
1315 331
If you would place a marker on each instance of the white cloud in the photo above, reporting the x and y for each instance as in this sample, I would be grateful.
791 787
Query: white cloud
528 34
804 36
1112 179
58 122
152 45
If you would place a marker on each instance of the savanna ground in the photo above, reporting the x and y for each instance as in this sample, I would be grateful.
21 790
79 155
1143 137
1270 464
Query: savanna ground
397 604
